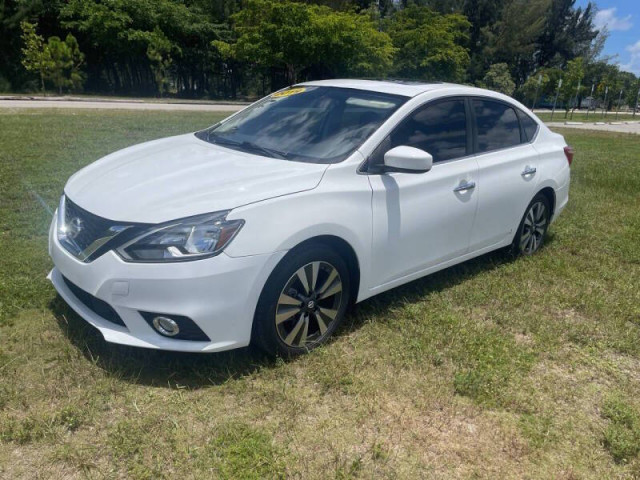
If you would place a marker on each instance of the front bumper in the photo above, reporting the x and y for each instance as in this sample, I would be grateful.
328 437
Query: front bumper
219 294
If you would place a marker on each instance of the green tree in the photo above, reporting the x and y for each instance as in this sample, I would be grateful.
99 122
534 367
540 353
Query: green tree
573 76
297 37
66 59
159 54
223 47
430 46
513 39
482 14
499 79
56 60
555 75
131 41
630 86
538 83
568 33
35 56
160 51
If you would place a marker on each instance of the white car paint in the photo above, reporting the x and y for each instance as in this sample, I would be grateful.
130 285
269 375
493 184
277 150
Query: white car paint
401 226
141 183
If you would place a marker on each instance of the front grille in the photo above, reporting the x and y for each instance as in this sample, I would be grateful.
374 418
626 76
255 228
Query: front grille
92 227
87 236
97 306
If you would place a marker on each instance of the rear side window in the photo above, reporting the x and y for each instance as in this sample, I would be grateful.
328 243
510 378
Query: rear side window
440 129
529 125
498 125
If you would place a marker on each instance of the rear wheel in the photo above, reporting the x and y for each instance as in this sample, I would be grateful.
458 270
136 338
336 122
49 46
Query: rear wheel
533 226
303 302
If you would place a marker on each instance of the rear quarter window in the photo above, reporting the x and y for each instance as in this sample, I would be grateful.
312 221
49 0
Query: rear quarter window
529 125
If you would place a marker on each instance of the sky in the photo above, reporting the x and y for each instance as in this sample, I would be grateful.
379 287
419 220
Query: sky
622 19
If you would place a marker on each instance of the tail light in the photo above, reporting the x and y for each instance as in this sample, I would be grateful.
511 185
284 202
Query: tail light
568 151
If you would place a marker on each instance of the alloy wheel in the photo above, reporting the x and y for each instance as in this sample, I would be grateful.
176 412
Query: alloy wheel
308 304
533 228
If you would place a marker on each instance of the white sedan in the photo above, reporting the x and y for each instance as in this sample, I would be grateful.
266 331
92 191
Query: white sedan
265 227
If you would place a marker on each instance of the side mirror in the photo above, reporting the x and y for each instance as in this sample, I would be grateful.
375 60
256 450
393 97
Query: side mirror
408 160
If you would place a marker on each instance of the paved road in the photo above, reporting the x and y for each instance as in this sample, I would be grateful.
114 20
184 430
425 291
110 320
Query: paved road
76 103
621 127
122 105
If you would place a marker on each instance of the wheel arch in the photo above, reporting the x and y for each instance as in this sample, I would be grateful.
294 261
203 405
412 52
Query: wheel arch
550 195
345 250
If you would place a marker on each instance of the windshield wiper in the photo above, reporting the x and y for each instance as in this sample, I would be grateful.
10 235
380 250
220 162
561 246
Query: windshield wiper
270 152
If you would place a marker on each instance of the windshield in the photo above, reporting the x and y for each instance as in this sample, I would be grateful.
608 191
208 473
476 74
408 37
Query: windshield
307 124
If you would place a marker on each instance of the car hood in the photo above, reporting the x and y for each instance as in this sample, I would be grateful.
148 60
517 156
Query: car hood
181 176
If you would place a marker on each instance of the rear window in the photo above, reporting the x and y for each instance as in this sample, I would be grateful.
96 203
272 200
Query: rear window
498 125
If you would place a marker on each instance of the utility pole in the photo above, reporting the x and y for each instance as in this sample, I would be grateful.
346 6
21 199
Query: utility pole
604 106
635 107
593 85
535 97
556 99
619 100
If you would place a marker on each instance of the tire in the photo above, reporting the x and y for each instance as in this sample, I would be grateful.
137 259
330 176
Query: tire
303 302
533 227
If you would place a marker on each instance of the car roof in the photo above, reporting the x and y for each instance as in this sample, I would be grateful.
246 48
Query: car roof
396 87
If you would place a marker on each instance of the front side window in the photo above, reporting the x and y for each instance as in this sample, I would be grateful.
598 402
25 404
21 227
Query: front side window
307 123
497 124
439 129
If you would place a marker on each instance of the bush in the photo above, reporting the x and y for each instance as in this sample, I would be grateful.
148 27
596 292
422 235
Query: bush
5 85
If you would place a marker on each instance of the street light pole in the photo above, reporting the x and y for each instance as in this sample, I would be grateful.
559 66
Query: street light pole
635 107
604 106
593 85
619 100
556 99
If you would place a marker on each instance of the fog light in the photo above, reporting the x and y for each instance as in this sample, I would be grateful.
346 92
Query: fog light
165 326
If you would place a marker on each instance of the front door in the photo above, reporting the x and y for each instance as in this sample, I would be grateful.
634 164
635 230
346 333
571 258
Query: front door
422 220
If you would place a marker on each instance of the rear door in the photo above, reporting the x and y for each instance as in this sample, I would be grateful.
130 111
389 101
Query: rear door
507 175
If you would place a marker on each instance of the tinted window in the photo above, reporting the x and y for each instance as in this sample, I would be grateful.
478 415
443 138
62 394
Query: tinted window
498 125
529 125
440 129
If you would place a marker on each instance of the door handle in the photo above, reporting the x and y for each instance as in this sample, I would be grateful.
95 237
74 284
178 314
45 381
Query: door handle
464 186
528 171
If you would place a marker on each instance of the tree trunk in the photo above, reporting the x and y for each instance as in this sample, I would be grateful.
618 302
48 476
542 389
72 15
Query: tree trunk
291 74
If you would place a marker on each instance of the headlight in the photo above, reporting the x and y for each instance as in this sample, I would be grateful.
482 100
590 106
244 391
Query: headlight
189 238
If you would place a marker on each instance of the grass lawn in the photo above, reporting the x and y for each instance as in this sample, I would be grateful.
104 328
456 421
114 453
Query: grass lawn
558 116
497 368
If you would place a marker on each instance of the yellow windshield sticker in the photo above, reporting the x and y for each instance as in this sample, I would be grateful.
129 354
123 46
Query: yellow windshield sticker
288 93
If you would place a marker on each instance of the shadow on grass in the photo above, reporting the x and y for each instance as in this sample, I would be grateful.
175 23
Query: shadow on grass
195 370
156 367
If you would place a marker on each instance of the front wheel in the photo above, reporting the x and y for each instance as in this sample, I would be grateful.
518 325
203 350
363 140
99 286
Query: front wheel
303 301
533 226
